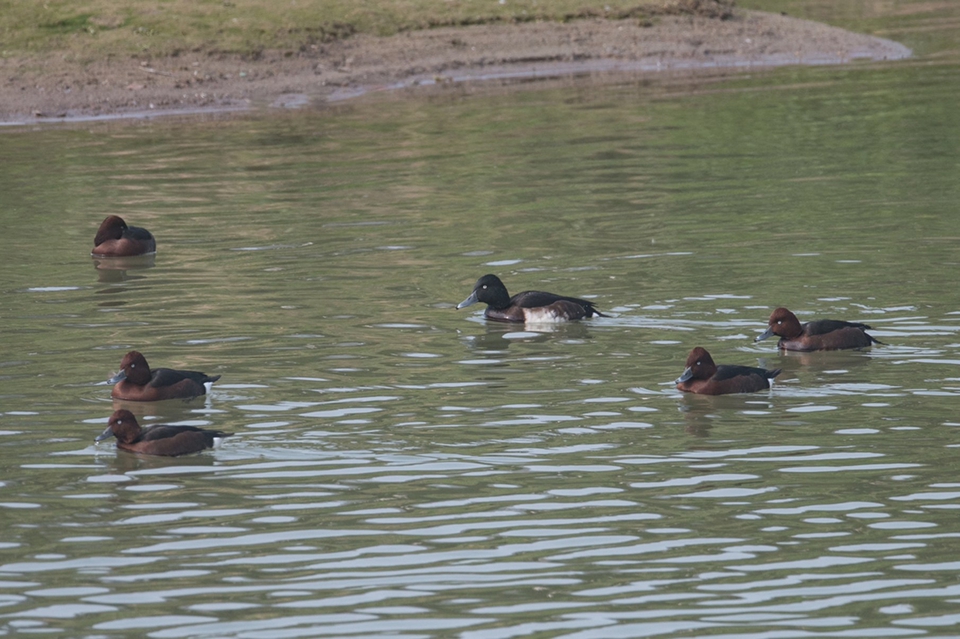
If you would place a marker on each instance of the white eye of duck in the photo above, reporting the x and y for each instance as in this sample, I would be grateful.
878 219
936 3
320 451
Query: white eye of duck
484 287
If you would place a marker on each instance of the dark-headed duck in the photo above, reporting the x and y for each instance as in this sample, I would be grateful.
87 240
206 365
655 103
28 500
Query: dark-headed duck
137 382
818 335
528 306
116 239
706 378
160 439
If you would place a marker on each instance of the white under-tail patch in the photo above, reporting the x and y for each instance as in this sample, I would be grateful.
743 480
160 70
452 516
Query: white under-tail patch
544 315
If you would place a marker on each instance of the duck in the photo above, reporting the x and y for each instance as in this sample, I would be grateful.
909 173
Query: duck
528 306
170 441
116 239
137 382
704 377
816 335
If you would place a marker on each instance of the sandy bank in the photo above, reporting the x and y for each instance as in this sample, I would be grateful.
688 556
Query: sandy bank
36 90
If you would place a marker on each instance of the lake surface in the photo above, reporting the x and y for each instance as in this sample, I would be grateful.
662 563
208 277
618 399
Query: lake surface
402 468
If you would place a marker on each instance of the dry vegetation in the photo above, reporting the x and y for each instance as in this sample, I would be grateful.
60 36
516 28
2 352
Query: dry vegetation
88 58
87 29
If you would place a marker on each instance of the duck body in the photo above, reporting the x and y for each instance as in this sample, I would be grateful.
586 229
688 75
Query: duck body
816 335
704 377
137 382
169 441
528 306
116 239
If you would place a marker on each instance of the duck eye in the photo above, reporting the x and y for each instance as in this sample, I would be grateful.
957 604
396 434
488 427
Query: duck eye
484 287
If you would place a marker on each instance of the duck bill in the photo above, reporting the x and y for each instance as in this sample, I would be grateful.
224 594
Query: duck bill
687 374
107 434
119 377
764 335
467 302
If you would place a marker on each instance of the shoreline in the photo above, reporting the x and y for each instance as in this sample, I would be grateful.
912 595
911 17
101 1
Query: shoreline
46 91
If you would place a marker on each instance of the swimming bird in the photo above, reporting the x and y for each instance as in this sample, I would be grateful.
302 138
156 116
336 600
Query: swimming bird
528 306
161 439
137 382
704 377
816 335
116 239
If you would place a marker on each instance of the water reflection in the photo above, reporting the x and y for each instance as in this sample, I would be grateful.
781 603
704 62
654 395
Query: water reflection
121 466
170 409
498 336
702 413
112 270
795 364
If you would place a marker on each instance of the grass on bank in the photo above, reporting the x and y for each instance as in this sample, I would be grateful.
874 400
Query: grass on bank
83 29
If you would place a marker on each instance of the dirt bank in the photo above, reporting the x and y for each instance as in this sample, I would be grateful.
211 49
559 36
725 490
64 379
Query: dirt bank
53 88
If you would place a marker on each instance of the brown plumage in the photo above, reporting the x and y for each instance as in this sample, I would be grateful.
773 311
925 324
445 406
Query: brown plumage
116 239
704 377
160 439
817 335
137 382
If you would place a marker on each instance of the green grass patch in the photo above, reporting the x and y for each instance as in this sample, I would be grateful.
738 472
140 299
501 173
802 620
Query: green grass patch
67 25
97 28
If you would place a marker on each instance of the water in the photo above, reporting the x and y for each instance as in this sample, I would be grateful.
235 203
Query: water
401 468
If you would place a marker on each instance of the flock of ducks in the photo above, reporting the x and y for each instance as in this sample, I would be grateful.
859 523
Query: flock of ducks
136 381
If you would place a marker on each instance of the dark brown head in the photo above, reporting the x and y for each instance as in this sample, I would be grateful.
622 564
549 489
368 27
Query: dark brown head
133 368
111 228
699 366
122 425
782 323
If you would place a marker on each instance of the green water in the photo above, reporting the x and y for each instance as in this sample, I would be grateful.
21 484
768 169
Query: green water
402 468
